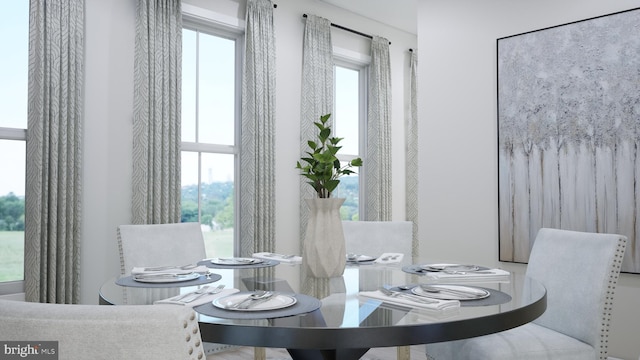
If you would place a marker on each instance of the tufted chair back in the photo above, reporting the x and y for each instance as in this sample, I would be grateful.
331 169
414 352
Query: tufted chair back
105 332
159 245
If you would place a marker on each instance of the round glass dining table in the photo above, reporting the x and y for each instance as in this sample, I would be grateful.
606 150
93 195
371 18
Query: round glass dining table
345 323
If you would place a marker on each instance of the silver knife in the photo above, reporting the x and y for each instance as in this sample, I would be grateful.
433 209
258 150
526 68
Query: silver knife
259 294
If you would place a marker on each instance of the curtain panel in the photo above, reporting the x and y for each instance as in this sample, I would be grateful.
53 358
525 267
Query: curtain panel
412 153
54 151
257 162
378 158
316 95
317 100
156 112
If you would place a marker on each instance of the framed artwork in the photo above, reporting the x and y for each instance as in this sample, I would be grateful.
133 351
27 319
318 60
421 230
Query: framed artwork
569 133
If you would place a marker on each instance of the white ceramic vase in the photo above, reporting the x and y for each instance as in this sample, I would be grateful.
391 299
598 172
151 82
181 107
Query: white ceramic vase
324 249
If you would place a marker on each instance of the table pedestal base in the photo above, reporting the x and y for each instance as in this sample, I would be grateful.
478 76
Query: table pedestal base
337 354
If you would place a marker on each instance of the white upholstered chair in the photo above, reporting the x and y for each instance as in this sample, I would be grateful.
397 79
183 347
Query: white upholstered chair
580 271
105 332
377 237
160 245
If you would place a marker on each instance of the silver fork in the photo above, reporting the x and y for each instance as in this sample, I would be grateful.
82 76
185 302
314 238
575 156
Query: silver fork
181 267
255 296
414 298
197 292
215 290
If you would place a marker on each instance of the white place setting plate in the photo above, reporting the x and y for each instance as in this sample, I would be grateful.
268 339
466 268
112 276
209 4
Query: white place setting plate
275 302
450 292
450 267
236 261
165 278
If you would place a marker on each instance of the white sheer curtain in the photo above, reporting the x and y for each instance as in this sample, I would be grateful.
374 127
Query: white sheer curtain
412 153
317 100
156 113
378 158
54 151
257 178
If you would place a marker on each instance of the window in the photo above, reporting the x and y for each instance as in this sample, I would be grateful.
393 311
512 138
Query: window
349 95
210 122
14 36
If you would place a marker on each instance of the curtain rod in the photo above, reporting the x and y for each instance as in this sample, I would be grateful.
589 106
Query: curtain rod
349 30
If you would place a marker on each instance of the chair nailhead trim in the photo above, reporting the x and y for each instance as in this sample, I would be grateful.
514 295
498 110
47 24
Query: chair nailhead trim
608 306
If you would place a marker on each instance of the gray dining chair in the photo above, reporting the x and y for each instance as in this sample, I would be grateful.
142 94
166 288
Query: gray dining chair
105 332
160 245
580 271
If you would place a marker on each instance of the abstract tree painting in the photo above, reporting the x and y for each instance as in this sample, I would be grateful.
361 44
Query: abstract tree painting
569 132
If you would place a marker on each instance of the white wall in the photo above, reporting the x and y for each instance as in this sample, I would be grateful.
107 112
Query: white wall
109 46
110 30
458 132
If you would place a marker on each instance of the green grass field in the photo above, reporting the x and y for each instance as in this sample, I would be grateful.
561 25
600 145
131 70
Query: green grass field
11 255
217 244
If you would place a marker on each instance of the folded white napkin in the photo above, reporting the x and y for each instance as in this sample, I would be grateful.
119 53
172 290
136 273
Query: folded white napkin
439 305
202 269
278 257
389 258
199 301
470 276
422 316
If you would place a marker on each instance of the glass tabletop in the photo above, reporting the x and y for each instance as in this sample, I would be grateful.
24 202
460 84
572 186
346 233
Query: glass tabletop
346 319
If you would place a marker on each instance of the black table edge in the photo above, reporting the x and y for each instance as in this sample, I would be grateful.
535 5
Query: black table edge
353 338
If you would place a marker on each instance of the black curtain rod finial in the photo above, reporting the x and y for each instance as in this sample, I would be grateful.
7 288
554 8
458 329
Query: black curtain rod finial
275 6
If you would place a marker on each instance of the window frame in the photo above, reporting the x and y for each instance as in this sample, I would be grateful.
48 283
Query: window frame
11 133
198 23
14 134
362 66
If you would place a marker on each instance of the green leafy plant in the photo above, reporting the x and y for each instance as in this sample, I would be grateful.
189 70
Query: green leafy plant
322 167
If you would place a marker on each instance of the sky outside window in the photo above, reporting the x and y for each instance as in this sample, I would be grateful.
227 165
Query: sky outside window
14 35
347 116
